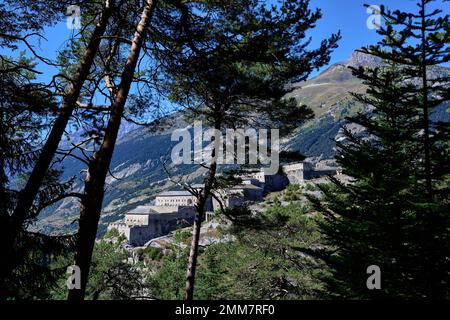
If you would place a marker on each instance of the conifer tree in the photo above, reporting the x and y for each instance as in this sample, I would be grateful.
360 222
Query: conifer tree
42 165
98 168
26 106
234 70
395 210
125 72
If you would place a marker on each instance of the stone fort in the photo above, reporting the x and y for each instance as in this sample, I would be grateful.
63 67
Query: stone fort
176 209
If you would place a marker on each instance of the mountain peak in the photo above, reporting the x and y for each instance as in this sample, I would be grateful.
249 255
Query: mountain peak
360 59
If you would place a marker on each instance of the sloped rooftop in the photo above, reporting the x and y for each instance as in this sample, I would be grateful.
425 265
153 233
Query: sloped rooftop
154 210
246 186
176 193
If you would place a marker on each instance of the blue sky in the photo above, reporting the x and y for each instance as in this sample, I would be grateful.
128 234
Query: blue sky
349 16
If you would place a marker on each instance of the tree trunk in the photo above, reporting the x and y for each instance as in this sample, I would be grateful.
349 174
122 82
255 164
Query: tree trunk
426 117
434 274
31 189
199 216
91 203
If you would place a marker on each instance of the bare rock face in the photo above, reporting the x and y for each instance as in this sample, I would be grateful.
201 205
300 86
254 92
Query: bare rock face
360 59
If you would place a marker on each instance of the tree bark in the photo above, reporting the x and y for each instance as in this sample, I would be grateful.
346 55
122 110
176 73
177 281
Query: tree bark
199 216
91 203
31 189
433 273
428 179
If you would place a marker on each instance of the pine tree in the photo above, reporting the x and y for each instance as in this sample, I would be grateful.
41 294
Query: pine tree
19 23
235 69
25 109
120 97
42 165
25 106
394 211
92 200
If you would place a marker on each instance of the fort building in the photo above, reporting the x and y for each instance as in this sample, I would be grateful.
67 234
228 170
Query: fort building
175 198
147 222
176 209
238 195
299 172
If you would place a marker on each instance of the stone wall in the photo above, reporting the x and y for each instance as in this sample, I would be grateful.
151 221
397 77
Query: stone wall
142 227
298 172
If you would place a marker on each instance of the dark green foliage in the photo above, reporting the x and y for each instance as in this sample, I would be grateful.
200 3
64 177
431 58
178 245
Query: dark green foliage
292 192
25 106
310 187
395 212
317 139
112 233
111 277
152 253
234 69
253 52
266 264
169 281
26 109
261 263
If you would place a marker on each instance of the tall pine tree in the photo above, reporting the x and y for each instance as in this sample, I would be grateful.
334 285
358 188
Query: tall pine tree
395 210
234 70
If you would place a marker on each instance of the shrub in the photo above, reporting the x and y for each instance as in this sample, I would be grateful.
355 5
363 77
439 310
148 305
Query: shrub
153 253
111 233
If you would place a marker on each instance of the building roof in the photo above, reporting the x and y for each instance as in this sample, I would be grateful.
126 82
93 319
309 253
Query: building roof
247 186
177 193
146 210
306 165
139 210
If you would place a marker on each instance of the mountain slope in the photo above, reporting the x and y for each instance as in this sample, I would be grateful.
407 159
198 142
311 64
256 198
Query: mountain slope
329 96
137 166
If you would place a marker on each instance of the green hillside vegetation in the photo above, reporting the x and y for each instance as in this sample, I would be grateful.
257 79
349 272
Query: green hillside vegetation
260 264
